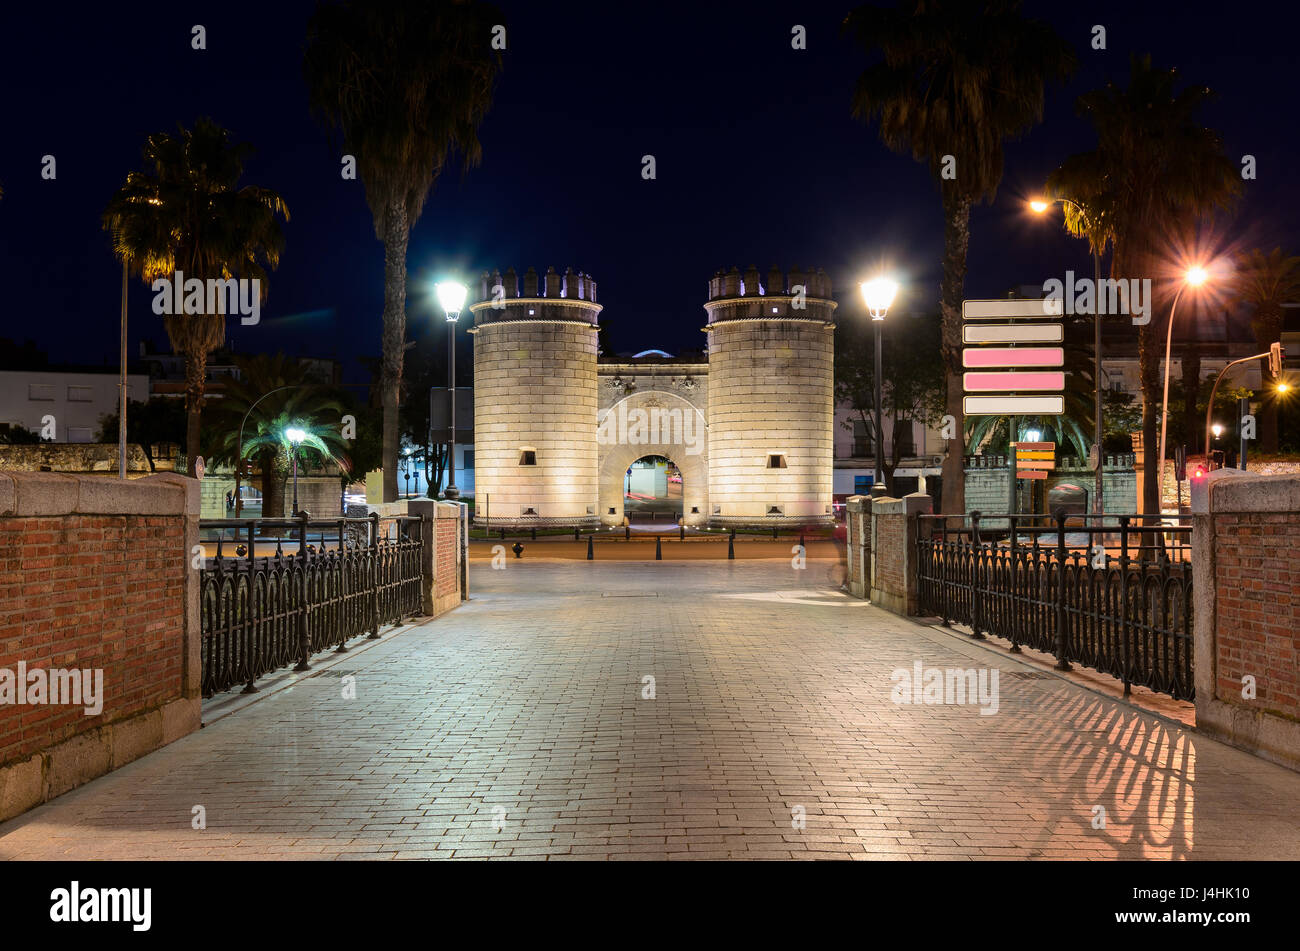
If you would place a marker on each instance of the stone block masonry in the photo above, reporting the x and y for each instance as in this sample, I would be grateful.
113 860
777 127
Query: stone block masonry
1245 533
95 581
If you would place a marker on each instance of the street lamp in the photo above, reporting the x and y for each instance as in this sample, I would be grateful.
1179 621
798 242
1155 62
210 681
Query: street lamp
1039 206
451 296
295 436
1194 277
878 293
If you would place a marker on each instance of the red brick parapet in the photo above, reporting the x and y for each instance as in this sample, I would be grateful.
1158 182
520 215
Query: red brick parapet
1246 582
96 578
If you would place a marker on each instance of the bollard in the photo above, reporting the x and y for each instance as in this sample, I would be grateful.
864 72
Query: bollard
518 549
773 533
534 534
801 542
659 552
681 530
577 537
627 533
731 545
1061 648
591 551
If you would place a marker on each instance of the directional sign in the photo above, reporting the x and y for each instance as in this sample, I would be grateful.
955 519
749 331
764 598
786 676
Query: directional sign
1016 381
1035 459
1012 333
1030 474
1013 405
1013 357
1005 309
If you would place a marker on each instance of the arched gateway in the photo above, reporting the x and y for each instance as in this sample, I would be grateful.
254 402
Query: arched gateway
749 426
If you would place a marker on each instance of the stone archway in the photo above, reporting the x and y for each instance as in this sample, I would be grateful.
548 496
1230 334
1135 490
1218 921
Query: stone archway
653 423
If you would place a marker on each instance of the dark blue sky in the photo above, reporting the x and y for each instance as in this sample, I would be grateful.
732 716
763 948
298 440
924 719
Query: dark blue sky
759 160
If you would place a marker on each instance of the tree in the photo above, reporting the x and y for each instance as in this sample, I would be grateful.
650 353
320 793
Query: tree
955 81
407 83
13 434
1155 174
273 395
148 423
187 213
912 390
1264 282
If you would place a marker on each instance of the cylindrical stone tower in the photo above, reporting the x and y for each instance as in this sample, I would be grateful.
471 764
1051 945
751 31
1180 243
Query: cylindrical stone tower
535 451
771 398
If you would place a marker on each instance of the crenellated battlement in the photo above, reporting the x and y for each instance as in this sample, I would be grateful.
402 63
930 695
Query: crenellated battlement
772 283
571 285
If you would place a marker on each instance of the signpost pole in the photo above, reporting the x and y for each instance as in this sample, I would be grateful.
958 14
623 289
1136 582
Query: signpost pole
1011 463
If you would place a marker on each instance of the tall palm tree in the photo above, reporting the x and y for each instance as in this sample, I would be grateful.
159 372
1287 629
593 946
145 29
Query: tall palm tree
407 83
1264 282
276 393
186 212
1155 175
955 81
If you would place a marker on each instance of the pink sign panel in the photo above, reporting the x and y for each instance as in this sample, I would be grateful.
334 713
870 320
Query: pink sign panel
997 357
1017 381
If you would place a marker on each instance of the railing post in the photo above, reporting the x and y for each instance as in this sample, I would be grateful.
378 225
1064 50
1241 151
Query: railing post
976 595
1013 608
1061 647
250 630
944 574
1124 632
343 590
374 576
300 563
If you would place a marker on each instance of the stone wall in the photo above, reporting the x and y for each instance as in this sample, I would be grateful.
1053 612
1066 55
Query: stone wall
96 577
892 525
80 457
1246 529
858 518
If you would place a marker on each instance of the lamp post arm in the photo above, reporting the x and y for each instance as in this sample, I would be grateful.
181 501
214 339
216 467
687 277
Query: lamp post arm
239 446
1209 406
1164 401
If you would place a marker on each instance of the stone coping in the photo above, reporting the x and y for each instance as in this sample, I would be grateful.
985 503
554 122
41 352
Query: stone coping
52 494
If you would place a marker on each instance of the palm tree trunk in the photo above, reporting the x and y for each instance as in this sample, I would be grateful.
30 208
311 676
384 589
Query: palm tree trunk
956 238
1191 389
396 235
196 369
1149 375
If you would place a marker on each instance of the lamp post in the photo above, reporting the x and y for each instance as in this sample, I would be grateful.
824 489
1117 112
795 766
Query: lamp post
451 295
1039 206
1194 277
239 446
878 293
295 436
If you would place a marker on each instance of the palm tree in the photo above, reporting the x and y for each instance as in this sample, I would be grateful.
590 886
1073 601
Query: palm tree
955 81
1264 282
407 83
1155 174
276 393
187 213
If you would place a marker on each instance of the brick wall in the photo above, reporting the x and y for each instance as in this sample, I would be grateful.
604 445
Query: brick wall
1246 585
94 575
891 576
445 540
891 537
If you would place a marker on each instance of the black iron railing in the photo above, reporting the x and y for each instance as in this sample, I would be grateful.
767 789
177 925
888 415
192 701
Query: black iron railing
264 608
1114 598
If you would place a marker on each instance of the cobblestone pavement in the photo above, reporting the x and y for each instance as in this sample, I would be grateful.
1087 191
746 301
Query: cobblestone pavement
516 727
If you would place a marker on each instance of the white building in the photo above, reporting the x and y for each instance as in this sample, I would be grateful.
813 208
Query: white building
63 405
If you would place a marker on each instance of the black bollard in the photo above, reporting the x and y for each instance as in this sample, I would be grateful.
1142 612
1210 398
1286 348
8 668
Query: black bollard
576 536
801 543
659 553
627 533
534 534
591 551
773 533
681 529
518 549
731 545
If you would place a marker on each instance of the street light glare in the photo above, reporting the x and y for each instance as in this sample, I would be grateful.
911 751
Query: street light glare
1196 276
451 297
1038 206
879 293
295 436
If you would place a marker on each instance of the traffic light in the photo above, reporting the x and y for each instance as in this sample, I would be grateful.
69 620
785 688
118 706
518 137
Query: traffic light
1275 357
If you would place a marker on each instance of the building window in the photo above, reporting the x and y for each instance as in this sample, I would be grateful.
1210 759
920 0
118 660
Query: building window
775 510
40 391
80 394
467 460
776 461
903 437
862 484
528 457
80 434
862 439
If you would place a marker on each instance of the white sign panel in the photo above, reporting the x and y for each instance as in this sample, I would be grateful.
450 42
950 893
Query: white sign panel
1012 333
1007 309
1013 405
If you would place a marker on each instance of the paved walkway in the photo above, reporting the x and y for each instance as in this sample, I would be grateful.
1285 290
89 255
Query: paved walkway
516 727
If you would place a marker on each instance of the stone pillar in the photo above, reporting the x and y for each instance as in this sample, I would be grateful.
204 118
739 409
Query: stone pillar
893 551
428 551
859 545
1246 611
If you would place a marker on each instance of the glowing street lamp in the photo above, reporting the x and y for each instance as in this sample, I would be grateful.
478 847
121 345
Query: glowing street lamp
451 297
1195 277
878 294
295 436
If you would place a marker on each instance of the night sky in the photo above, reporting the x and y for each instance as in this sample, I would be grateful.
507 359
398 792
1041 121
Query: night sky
759 161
